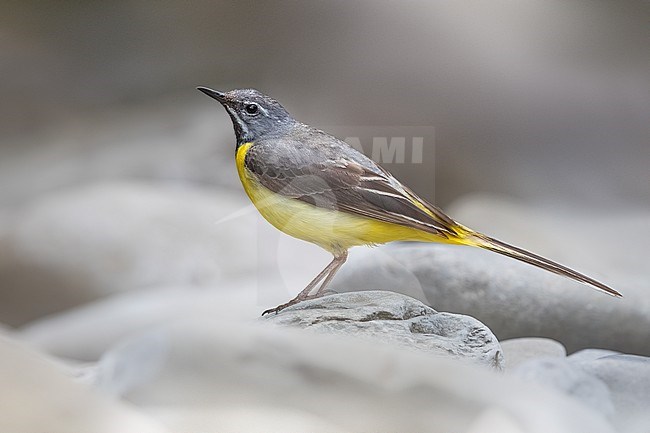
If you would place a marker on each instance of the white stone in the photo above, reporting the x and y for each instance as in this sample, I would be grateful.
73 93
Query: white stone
37 395
86 332
337 380
569 378
590 355
518 350
628 380
243 418
616 385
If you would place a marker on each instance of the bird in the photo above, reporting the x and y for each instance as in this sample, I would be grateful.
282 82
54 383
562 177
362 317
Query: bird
315 187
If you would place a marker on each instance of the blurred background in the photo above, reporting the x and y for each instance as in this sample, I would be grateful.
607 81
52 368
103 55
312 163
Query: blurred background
525 106
542 100
122 217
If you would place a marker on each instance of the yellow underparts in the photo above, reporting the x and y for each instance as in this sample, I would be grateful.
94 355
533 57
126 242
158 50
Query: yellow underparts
333 230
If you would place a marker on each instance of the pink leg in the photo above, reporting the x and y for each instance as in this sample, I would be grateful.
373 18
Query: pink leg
327 274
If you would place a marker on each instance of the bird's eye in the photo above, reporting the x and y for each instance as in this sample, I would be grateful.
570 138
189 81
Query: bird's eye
252 109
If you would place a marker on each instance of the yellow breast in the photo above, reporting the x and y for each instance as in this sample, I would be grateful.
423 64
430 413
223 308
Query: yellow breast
332 230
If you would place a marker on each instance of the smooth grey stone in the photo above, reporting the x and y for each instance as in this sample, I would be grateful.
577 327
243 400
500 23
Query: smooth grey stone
513 299
38 394
519 350
617 386
203 366
569 378
628 379
590 355
86 332
130 363
391 317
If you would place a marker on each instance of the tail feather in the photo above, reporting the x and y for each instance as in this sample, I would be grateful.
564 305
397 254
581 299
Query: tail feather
488 243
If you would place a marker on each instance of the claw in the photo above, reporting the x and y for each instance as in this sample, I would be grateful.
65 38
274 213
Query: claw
279 308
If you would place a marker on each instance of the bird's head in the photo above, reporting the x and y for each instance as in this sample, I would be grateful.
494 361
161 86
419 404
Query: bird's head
253 114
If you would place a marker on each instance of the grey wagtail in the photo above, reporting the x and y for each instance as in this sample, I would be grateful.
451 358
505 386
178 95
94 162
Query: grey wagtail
317 188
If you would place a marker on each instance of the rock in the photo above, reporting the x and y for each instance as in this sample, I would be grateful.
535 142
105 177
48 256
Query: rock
590 355
561 375
390 317
78 245
513 299
519 350
617 386
37 396
236 419
628 380
182 372
86 332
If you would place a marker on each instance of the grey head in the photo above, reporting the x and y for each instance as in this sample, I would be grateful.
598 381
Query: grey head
254 115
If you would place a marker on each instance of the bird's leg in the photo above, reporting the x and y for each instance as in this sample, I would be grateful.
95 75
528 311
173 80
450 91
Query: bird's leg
327 273
340 259
304 294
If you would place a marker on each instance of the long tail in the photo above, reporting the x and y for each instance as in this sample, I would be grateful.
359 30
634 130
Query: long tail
488 243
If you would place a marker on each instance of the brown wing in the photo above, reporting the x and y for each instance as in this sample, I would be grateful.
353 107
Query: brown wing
335 176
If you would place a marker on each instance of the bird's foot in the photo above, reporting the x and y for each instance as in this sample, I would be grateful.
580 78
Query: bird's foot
295 301
279 308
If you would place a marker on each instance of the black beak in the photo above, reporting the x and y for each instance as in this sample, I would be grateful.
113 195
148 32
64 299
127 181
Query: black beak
221 97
